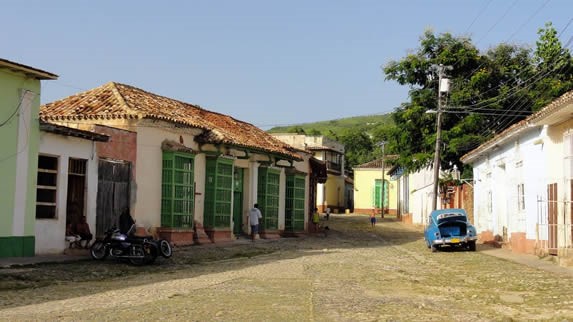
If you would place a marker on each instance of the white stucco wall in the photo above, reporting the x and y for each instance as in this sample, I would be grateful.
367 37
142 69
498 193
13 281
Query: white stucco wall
148 176
147 210
561 172
421 193
496 177
50 233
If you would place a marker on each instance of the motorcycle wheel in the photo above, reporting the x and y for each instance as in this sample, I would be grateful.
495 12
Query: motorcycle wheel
98 250
140 253
165 248
150 253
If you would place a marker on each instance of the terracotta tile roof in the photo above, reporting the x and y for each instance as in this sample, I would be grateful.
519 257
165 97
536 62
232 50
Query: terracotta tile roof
377 164
119 101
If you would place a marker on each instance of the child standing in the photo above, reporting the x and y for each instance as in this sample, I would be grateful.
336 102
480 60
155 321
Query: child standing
315 219
373 219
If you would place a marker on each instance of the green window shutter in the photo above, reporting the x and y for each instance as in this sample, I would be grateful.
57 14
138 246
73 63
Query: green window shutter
268 196
295 201
218 193
177 190
289 205
299 202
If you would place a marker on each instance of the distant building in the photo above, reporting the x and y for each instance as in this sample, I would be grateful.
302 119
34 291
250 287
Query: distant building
369 193
333 193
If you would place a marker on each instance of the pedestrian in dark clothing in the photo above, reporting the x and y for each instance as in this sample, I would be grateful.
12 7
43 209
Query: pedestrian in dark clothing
125 222
83 230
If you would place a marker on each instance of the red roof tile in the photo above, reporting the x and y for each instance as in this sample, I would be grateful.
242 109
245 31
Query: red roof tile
114 100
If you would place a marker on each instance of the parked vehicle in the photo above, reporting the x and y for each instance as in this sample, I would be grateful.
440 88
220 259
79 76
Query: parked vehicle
450 227
137 250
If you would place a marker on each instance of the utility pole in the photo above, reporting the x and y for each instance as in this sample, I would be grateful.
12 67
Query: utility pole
382 143
443 87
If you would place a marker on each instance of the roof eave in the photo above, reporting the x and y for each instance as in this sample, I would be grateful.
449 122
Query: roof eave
28 70
68 131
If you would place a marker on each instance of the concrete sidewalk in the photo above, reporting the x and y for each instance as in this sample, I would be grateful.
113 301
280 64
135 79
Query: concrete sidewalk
74 255
546 264
41 259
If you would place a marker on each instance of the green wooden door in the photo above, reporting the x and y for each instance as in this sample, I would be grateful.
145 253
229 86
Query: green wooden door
268 197
177 193
218 193
238 201
294 210
378 194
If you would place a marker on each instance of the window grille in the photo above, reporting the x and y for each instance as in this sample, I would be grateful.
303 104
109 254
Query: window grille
177 190
520 197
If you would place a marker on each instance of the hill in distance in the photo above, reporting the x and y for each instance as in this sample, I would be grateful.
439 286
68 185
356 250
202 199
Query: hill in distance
339 126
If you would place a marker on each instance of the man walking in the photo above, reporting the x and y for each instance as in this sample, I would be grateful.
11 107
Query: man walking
254 216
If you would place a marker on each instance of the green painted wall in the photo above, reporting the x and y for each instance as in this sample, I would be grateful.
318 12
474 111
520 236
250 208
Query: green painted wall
11 84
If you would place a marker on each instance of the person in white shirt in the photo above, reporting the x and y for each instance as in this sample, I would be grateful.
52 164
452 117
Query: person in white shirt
254 216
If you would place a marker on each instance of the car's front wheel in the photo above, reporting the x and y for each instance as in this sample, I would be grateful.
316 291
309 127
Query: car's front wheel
434 248
472 245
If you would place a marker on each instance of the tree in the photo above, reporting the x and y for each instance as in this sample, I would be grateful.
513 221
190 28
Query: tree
414 135
358 147
553 65
490 92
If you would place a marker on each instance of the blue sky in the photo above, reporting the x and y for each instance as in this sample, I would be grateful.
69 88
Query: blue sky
264 62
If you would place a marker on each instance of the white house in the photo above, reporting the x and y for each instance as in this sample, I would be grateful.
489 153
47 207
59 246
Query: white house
67 181
421 185
523 182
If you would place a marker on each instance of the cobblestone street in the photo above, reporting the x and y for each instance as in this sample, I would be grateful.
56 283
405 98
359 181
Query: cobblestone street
356 273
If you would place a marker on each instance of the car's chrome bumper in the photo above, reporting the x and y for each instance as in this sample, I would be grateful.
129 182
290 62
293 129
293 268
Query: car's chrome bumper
454 240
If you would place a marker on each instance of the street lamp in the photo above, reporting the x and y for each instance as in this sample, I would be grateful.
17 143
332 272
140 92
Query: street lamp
382 144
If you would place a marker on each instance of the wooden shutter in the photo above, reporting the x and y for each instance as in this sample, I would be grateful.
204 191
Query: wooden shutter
177 190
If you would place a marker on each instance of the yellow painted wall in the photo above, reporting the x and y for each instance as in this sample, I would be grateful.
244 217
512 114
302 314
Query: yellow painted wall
335 191
364 182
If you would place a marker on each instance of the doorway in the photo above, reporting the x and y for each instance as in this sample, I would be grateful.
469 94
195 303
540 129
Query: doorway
113 194
75 201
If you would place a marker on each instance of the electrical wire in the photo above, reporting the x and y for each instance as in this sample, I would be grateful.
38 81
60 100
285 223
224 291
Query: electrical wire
478 15
27 131
498 21
529 19
17 109
523 70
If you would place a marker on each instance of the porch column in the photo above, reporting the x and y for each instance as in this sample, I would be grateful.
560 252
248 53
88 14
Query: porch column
253 183
26 160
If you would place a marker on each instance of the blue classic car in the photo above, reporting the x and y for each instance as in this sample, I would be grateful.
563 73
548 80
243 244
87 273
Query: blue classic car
450 227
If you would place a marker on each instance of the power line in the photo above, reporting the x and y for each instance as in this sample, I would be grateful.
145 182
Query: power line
17 109
529 19
478 15
498 21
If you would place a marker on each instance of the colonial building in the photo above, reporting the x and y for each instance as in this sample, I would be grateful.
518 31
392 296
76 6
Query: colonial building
332 193
374 189
195 173
523 179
